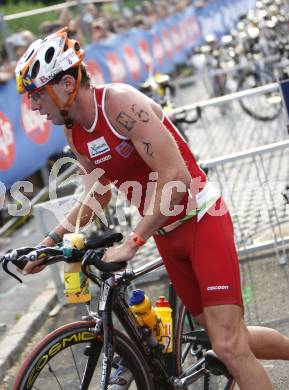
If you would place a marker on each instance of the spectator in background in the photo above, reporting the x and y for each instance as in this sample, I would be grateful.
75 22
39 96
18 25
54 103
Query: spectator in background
65 16
139 21
49 27
19 42
120 25
88 16
74 31
150 12
100 30
6 68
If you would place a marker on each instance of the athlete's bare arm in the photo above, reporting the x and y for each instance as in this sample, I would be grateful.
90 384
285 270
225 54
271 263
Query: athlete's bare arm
101 194
138 118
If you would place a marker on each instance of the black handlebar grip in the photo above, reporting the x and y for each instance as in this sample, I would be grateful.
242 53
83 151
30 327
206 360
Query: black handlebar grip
93 257
107 239
21 262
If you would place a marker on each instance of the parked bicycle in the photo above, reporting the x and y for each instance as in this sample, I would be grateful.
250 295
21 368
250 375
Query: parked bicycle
229 69
94 354
160 88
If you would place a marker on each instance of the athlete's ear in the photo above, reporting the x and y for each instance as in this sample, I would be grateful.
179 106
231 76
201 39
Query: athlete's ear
69 83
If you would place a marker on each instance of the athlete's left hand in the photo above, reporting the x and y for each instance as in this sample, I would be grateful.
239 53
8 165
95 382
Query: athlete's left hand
123 252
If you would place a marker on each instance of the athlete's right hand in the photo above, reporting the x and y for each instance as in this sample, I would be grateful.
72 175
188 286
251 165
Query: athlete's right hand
35 266
32 267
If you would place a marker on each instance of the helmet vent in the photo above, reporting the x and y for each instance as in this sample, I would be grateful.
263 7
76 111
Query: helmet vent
49 54
30 54
35 69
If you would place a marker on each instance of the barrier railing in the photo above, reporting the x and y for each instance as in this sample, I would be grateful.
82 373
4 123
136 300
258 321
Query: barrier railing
247 159
55 7
251 227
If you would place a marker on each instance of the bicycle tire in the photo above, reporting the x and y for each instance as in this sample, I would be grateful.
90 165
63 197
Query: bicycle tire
184 358
263 110
47 366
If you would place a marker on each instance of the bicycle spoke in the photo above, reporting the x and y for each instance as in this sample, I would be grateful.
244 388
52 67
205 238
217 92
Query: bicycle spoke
53 373
76 367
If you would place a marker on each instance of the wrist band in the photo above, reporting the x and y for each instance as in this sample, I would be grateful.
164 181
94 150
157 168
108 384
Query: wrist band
55 237
137 239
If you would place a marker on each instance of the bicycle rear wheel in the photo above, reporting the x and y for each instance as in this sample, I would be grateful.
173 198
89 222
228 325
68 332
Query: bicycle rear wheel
70 358
263 107
186 355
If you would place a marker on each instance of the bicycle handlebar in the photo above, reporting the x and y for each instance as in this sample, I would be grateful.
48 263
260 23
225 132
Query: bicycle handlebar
91 254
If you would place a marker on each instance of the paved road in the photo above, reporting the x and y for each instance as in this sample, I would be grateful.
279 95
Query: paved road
15 298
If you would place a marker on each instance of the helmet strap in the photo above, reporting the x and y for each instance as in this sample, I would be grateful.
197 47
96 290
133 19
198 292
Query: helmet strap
64 108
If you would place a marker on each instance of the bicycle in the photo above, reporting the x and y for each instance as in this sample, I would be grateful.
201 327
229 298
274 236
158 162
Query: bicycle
97 354
160 88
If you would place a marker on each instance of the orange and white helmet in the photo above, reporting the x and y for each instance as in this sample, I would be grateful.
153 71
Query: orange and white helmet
45 58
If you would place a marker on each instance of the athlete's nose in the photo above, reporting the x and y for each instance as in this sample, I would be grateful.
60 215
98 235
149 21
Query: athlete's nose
34 105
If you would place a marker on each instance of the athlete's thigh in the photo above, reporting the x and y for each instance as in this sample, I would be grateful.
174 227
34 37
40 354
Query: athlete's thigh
215 262
179 267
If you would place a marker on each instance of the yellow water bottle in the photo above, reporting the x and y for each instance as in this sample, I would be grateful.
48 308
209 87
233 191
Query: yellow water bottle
77 288
164 312
141 306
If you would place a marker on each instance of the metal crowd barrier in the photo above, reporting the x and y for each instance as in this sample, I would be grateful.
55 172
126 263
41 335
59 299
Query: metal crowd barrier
55 7
248 160
252 186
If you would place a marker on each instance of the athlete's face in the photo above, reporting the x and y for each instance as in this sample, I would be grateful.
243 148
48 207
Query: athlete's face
41 101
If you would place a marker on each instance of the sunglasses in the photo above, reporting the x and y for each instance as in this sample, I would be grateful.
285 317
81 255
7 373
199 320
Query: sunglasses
36 94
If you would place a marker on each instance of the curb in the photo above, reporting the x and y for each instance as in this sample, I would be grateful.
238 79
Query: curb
15 340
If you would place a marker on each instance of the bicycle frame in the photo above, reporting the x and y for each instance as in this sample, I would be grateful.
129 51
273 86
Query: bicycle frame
113 300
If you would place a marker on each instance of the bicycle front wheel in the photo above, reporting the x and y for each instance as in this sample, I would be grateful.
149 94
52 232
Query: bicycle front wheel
70 358
186 355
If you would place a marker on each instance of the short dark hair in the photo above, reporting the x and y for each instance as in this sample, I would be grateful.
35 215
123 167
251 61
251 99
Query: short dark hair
85 77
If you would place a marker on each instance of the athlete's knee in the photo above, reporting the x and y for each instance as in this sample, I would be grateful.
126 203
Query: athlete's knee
232 347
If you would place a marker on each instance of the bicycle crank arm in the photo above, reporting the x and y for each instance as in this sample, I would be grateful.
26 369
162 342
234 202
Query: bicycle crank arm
189 379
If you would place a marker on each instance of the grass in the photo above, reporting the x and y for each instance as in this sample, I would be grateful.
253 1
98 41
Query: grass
32 23
28 23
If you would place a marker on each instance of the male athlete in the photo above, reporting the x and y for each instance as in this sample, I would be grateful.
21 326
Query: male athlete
121 131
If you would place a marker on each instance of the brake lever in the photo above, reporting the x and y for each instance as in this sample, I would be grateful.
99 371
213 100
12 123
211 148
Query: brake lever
5 268
12 256
28 254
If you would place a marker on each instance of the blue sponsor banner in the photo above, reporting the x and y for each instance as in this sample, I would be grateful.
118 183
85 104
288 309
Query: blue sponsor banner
27 139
